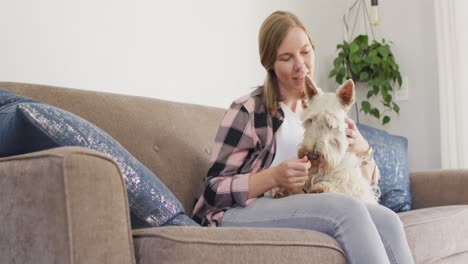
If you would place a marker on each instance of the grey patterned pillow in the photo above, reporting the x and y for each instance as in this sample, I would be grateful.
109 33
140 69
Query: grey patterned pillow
391 155
29 125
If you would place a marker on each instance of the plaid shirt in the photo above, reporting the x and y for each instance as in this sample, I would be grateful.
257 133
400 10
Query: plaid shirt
243 145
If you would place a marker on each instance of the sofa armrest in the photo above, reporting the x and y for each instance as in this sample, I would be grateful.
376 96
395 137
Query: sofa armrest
63 205
439 188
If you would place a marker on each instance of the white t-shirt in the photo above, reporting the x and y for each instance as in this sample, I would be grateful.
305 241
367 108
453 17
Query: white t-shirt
288 136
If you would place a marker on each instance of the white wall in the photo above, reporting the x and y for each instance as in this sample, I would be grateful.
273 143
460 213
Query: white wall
205 51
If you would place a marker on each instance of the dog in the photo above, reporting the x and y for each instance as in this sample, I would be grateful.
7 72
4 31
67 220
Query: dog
333 168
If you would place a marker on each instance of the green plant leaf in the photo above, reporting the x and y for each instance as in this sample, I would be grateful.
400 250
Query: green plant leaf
355 68
365 106
353 48
374 60
376 89
396 108
384 91
362 41
338 62
340 75
332 73
385 120
400 81
388 99
370 93
383 51
363 76
375 112
355 58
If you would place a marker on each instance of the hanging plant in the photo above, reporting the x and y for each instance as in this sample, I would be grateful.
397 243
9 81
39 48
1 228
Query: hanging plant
373 64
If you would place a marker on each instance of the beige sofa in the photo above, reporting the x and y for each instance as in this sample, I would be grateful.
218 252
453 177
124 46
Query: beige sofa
69 205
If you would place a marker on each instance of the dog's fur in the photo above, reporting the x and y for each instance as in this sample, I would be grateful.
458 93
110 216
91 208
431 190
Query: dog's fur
333 168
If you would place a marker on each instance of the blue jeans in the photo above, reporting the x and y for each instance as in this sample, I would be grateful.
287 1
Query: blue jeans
367 233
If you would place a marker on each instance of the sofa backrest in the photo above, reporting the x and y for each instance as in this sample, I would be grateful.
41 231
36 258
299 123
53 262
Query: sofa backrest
172 139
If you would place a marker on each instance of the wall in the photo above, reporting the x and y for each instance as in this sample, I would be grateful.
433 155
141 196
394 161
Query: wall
205 52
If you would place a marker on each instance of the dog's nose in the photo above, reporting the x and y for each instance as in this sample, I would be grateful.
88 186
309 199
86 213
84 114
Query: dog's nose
313 156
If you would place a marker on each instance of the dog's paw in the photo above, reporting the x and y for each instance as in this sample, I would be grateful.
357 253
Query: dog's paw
287 192
318 189
281 193
296 190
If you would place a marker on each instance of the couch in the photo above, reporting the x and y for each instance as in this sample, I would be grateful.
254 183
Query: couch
69 204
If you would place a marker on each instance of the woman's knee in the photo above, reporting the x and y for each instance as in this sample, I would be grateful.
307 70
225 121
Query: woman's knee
341 208
344 201
383 216
346 206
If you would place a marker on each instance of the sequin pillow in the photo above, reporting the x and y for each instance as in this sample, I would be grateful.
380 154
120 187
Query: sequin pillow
391 155
28 125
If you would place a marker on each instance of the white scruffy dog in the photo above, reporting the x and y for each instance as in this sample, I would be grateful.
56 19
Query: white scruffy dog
333 169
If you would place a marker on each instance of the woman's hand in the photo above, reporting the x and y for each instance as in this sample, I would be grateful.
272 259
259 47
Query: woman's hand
291 173
357 144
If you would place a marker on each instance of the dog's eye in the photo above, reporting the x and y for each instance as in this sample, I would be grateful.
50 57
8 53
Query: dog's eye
309 121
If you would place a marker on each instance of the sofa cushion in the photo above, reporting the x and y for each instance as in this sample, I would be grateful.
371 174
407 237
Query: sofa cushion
436 233
29 125
392 159
235 245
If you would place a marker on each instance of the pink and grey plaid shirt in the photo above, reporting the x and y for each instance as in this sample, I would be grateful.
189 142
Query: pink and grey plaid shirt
243 145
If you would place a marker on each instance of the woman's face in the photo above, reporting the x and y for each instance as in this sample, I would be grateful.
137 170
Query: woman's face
295 58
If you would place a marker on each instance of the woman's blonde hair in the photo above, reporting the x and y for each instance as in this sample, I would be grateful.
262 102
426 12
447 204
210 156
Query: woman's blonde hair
272 32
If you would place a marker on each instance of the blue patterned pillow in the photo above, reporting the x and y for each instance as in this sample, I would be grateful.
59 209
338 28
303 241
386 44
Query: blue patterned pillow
391 155
29 125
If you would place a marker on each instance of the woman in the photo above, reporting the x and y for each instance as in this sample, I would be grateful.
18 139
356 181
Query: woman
252 156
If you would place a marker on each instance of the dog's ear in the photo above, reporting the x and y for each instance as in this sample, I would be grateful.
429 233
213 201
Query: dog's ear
311 89
346 94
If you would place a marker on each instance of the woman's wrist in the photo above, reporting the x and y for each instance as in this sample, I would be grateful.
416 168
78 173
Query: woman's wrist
272 172
368 171
261 182
367 157
363 151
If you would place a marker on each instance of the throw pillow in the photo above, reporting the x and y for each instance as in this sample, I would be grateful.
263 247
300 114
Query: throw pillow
29 125
391 156
11 142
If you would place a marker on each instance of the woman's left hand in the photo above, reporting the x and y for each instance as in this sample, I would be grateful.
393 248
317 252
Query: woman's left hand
357 143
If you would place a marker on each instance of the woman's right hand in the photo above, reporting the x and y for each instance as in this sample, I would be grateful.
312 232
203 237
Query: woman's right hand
291 173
